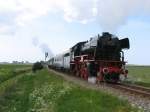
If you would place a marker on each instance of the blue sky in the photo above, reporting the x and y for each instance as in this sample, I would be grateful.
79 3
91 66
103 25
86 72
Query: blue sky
28 28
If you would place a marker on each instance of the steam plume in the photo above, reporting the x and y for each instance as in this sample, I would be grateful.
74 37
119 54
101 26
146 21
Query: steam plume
43 46
35 41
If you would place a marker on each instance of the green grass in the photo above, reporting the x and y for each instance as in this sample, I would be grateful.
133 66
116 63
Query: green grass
139 75
47 92
13 66
8 71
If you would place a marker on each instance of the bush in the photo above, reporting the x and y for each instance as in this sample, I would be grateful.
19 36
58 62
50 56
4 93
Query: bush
37 66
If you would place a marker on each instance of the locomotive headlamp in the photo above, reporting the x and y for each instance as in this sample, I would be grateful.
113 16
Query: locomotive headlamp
105 70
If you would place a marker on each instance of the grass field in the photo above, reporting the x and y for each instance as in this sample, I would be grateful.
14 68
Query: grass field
46 92
10 70
139 75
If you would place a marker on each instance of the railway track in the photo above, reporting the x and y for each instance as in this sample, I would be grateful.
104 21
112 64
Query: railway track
137 98
134 89
137 90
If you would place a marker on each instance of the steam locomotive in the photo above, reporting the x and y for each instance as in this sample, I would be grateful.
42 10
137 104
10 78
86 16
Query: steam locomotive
101 57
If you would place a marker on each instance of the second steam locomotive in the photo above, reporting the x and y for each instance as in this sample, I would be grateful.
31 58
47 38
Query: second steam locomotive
101 57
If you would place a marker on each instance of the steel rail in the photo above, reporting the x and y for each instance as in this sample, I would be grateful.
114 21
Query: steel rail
144 91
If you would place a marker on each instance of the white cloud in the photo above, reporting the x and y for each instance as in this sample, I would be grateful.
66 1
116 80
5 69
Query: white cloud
28 10
8 5
80 10
6 30
110 13
114 13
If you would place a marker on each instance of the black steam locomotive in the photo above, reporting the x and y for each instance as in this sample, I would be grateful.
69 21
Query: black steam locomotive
100 57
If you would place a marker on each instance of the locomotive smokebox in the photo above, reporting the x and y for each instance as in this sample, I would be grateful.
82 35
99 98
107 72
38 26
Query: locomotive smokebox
124 43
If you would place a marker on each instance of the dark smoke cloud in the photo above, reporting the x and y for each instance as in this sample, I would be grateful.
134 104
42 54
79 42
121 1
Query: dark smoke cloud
43 46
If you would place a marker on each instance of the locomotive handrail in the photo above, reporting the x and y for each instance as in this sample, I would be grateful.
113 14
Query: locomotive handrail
111 61
108 61
103 60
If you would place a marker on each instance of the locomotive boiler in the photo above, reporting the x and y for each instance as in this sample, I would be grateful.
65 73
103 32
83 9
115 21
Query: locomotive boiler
101 57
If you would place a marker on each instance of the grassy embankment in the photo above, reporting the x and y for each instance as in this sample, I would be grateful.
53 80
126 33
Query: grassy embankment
139 75
8 71
46 92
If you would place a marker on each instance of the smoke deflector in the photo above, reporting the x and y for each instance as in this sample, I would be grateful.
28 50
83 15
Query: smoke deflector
125 43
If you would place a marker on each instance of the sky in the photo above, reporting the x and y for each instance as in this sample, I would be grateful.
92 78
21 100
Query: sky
29 28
